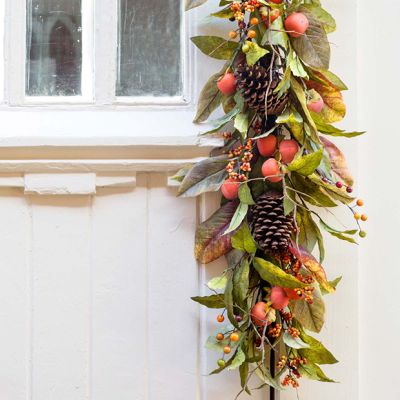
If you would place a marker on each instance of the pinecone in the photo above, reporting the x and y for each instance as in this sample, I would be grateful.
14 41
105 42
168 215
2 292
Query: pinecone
255 83
270 227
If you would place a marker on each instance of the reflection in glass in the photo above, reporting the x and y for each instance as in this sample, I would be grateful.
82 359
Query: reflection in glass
54 48
149 52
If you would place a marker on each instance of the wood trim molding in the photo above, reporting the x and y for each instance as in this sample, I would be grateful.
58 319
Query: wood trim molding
80 170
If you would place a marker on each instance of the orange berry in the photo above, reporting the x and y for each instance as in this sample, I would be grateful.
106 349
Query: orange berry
220 336
220 318
234 337
357 216
364 217
254 21
227 349
252 34
360 203
233 34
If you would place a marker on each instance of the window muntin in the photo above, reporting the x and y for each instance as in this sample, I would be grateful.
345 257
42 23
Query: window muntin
149 49
54 48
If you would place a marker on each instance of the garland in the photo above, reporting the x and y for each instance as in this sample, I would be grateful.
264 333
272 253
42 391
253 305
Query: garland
278 174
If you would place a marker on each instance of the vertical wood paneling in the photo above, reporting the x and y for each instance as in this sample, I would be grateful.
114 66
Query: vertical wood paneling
173 278
14 296
60 298
119 300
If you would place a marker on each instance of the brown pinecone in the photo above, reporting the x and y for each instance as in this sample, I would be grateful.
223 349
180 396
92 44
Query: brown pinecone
270 227
256 86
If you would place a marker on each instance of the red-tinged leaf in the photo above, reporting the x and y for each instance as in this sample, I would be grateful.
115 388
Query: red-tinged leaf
338 161
327 78
334 109
309 261
210 242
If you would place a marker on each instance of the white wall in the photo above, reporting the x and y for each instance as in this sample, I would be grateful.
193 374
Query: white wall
379 83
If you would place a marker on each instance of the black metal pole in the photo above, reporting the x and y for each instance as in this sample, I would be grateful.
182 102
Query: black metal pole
272 391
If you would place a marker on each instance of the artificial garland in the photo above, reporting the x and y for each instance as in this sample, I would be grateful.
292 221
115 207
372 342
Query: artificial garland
277 171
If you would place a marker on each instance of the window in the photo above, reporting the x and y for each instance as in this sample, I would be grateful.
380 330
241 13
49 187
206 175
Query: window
54 48
149 62
64 40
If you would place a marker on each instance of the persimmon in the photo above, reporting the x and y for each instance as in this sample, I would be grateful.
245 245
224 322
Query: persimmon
230 189
276 1
267 146
296 24
279 299
227 84
259 313
316 105
288 150
271 170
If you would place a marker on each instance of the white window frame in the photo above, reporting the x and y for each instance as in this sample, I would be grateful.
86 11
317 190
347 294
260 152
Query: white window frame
100 119
99 69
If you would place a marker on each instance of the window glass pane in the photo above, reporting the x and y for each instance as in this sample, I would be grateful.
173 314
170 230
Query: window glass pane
54 48
149 52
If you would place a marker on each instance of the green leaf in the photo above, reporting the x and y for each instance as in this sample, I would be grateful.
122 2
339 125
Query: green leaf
296 65
229 303
284 84
343 235
243 240
294 343
218 283
311 192
245 194
189 4
288 205
210 98
238 218
241 283
317 352
309 234
294 121
299 91
213 301
265 375
225 13
332 190
311 316
215 46
205 176
306 165
180 175
276 35
238 360
313 47
218 345
326 19
333 284
242 123
221 122
244 373
211 242
276 276
314 372
255 53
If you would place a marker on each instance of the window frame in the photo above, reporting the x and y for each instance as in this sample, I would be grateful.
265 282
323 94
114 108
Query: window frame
99 70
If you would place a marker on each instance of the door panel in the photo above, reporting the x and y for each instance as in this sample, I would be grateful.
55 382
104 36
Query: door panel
96 297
